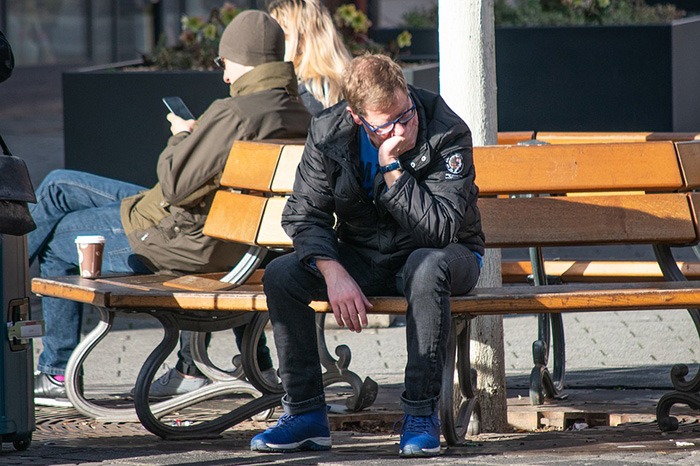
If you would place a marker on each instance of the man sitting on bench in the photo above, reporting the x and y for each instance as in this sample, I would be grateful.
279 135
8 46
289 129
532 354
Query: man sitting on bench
160 230
394 164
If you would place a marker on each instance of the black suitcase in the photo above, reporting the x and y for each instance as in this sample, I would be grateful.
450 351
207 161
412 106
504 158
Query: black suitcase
17 420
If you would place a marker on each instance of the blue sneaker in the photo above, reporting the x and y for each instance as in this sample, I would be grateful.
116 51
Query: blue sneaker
296 432
420 436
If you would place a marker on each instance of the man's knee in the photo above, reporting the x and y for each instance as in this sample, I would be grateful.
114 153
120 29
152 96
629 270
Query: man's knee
277 273
425 267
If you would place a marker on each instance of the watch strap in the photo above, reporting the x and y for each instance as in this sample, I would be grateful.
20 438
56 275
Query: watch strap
395 165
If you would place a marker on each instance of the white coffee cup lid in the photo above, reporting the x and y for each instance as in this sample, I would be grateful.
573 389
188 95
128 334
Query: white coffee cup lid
90 239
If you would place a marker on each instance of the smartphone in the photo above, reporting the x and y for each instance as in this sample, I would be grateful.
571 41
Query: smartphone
178 107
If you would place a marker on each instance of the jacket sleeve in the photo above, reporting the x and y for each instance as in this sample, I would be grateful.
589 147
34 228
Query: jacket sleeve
308 215
189 164
433 207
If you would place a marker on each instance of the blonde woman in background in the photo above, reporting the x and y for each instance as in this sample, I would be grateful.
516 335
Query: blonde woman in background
315 47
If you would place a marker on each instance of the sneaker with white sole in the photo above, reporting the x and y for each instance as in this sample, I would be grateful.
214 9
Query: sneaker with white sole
296 432
50 392
174 383
420 436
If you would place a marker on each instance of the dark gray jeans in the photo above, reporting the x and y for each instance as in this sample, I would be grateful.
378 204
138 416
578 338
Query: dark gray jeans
427 280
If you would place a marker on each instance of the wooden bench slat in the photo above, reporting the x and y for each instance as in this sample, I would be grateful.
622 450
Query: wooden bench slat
591 137
251 164
563 137
271 234
596 270
262 166
581 167
491 301
689 160
235 217
247 219
515 222
564 221
666 136
290 157
270 167
514 137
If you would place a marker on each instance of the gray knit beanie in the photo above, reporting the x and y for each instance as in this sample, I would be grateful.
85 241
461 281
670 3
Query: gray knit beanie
252 38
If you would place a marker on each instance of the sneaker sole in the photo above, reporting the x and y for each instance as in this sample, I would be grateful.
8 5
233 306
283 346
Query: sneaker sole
53 402
312 444
162 395
410 451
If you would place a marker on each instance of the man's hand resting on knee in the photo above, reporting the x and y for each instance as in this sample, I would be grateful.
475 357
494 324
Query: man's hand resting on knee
347 300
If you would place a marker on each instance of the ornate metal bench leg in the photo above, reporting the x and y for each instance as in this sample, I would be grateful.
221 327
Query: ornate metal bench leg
148 372
459 409
74 375
687 392
222 385
364 393
206 429
542 384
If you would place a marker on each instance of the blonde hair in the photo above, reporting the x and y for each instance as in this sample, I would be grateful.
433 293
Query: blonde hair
314 47
372 81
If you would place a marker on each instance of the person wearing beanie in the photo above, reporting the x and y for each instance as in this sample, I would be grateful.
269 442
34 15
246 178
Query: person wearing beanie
159 229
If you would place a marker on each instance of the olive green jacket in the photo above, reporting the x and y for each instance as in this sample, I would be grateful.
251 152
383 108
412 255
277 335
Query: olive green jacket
164 224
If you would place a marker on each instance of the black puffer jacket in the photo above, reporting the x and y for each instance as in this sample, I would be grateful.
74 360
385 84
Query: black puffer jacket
431 205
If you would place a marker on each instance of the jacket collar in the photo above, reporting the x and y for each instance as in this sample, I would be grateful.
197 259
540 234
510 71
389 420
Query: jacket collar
273 75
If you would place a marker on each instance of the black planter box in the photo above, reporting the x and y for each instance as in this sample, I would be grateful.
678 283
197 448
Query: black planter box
604 78
114 121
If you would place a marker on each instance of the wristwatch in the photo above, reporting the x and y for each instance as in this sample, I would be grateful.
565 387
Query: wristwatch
395 165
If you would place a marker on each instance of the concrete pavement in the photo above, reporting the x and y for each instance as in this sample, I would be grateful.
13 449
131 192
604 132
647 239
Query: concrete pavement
618 366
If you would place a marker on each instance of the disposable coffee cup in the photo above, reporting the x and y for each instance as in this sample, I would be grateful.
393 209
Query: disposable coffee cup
90 250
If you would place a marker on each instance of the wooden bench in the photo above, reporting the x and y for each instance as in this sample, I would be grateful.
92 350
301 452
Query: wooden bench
566 137
587 270
653 210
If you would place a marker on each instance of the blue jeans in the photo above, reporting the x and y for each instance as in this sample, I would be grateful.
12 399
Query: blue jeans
69 204
427 279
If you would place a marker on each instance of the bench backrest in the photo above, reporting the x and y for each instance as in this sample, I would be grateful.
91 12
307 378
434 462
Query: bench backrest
564 137
651 183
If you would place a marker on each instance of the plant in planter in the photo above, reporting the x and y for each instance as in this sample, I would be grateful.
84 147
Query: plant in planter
353 24
562 13
582 12
197 43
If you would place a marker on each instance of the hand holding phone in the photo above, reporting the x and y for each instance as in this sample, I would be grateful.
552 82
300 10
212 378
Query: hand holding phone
178 107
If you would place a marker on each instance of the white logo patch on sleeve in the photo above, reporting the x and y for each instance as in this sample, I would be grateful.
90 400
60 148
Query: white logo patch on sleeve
455 166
